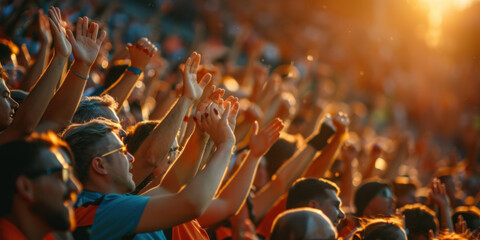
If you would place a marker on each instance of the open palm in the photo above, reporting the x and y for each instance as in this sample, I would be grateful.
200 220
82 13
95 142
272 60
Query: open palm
261 141
85 44
62 46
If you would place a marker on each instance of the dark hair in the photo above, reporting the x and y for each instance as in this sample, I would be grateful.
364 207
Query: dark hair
91 108
419 219
403 185
381 229
20 157
84 139
365 193
470 214
137 134
306 189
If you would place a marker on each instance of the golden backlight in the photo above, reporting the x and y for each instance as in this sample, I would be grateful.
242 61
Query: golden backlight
437 10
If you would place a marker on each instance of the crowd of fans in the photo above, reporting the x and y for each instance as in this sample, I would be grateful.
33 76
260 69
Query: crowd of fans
113 129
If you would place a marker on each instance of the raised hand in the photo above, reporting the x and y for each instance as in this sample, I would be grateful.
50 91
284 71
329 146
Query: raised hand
210 94
261 141
217 126
348 151
341 122
141 52
62 46
85 43
44 29
232 115
438 193
191 88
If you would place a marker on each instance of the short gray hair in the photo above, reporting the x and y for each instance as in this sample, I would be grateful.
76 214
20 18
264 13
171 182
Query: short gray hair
84 139
91 108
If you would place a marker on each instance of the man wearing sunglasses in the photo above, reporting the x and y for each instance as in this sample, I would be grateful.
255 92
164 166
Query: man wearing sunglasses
105 210
38 188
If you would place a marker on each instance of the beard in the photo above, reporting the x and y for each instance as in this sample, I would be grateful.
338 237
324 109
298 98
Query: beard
126 182
58 218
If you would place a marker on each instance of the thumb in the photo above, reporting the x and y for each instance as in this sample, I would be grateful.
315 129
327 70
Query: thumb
205 80
255 128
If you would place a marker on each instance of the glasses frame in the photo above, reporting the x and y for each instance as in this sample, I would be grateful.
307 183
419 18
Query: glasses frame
385 193
123 149
66 173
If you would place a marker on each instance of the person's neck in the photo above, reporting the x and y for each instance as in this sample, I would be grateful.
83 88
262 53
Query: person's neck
102 187
30 225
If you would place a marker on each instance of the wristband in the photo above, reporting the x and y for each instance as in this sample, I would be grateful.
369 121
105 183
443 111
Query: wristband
134 70
78 75
320 140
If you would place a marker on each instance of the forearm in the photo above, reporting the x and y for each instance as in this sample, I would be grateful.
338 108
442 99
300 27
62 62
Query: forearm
36 70
323 162
33 107
159 142
281 181
346 184
233 195
122 88
61 109
203 187
187 165
445 218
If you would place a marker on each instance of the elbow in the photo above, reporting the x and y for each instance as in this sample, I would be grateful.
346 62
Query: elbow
195 206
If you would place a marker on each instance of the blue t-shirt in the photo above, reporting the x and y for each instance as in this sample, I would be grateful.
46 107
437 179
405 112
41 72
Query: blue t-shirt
115 216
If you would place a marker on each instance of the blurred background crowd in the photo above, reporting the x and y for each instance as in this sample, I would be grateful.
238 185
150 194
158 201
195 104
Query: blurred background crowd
406 72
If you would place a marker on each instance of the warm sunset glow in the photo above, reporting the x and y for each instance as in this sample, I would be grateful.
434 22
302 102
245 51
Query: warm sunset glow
436 10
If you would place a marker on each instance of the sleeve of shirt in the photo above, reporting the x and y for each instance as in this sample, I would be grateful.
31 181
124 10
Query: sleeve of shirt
118 216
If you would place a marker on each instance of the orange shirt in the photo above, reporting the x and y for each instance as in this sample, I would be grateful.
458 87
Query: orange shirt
189 230
265 226
8 231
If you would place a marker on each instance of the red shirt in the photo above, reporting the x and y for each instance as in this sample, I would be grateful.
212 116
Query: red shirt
8 231
189 230
265 226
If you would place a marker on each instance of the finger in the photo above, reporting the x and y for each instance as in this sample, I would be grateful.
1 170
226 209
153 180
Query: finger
94 31
79 28
187 65
90 30
85 26
100 39
181 67
236 106
255 128
226 112
53 27
205 80
70 37
141 42
195 63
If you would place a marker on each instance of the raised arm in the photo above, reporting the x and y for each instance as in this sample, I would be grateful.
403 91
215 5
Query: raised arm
439 196
158 143
291 170
322 163
30 112
188 164
85 45
233 195
140 55
194 199
36 69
